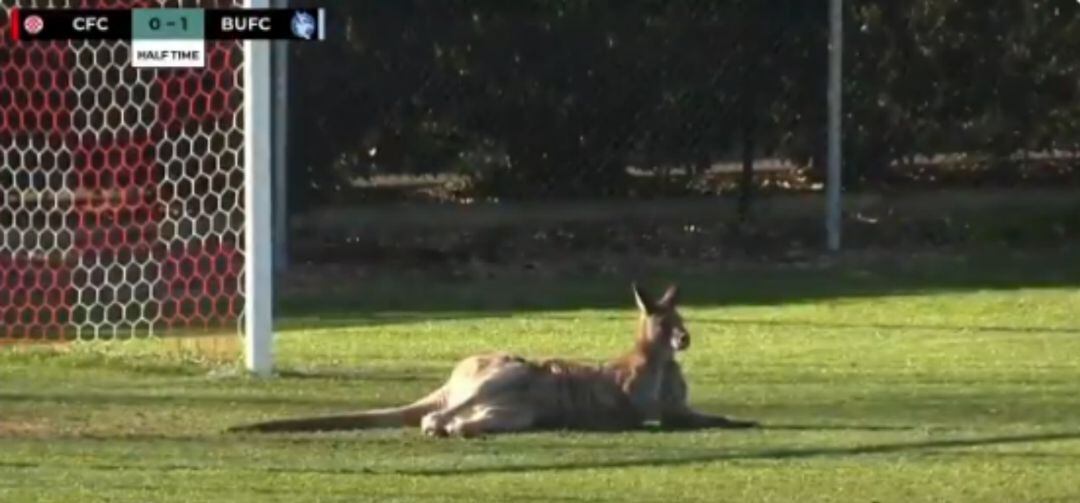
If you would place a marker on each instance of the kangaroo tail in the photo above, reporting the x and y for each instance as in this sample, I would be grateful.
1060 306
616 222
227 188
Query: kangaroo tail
395 417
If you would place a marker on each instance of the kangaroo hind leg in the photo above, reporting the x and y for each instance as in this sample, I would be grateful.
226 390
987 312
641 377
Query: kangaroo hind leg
492 419
472 395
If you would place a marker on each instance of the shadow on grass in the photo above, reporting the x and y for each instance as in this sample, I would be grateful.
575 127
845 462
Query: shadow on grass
770 454
1011 329
930 447
837 427
378 319
188 399
387 493
392 300
895 326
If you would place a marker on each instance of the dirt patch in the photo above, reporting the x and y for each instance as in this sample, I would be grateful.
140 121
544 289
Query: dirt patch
586 236
23 428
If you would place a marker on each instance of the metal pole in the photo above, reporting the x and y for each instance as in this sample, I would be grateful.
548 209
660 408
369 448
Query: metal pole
258 219
281 150
833 181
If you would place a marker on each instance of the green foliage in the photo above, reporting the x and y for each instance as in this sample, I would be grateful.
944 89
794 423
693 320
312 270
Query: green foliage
535 99
938 76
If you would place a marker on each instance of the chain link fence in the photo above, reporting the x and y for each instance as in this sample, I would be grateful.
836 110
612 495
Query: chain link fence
709 116
530 134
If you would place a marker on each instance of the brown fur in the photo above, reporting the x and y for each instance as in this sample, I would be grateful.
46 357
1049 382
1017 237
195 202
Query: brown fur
500 392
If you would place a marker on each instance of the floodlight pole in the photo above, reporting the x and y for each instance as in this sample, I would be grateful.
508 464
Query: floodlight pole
833 178
258 207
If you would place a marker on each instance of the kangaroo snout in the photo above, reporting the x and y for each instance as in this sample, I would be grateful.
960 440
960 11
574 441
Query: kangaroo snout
680 340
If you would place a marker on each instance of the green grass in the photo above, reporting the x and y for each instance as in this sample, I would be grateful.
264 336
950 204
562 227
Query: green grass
926 380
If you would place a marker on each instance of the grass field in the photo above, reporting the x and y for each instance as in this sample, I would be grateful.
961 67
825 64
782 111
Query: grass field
930 379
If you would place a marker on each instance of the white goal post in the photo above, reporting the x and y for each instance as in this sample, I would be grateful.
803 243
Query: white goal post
135 202
258 217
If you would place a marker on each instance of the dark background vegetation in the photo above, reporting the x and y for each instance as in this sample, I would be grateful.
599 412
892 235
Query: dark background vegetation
534 107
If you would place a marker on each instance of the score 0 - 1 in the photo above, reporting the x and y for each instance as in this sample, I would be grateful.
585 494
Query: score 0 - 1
155 23
167 24
168 38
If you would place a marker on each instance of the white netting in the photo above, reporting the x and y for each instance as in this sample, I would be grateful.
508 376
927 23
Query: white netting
121 189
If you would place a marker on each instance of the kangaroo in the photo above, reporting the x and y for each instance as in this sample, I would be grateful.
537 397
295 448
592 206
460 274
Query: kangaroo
501 393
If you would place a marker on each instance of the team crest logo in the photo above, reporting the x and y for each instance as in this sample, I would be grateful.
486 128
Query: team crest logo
33 24
303 25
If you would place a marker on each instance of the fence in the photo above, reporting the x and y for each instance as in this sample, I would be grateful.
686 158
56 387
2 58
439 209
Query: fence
513 133
478 103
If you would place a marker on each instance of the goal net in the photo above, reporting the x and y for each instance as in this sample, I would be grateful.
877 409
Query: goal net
121 189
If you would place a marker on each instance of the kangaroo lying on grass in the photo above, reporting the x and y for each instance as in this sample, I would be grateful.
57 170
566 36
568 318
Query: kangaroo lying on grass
500 392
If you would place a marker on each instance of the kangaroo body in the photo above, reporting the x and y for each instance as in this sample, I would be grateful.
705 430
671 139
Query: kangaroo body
501 392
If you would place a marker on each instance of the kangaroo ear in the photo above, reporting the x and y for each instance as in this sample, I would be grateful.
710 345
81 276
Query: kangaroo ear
670 298
644 303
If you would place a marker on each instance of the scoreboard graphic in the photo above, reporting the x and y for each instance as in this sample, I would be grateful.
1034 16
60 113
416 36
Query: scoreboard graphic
125 143
167 37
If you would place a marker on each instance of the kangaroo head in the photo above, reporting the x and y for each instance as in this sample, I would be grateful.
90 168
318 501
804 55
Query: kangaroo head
661 327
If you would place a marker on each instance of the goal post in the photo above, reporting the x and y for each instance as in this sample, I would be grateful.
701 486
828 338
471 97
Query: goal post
258 215
135 202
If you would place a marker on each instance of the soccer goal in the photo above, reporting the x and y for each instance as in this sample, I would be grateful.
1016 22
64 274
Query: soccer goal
134 202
